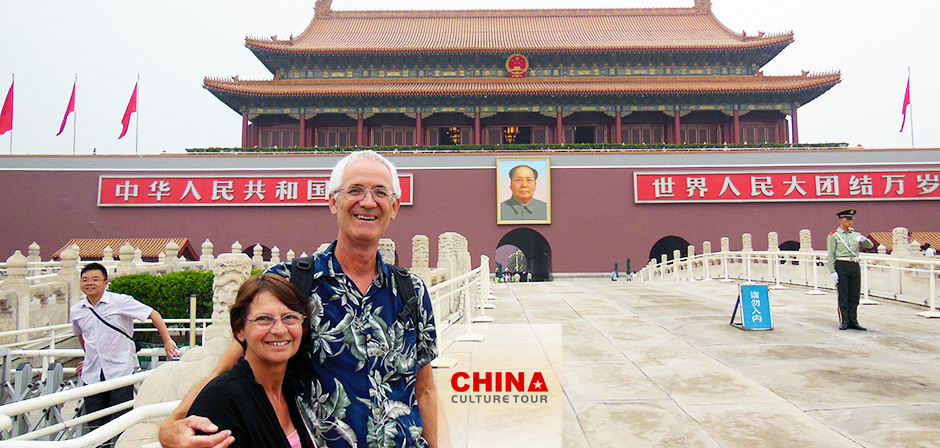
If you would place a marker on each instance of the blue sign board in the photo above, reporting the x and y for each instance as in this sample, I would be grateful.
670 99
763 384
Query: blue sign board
755 307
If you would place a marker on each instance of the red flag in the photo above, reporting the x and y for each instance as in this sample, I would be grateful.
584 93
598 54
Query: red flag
131 108
6 114
68 110
907 102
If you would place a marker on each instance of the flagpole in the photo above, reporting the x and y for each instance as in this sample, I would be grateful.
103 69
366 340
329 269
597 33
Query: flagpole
74 119
911 106
12 82
137 123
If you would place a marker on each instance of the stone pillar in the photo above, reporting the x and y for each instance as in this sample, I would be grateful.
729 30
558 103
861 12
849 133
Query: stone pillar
899 238
107 254
16 281
139 255
236 247
445 254
387 250
172 256
34 257
746 245
207 258
772 242
290 255
707 247
420 256
257 261
806 240
275 255
725 244
69 273
231 270
126 266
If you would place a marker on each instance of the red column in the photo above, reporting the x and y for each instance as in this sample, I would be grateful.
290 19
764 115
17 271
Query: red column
618 132
245 130
736 128
254 135
559 130
303 130
676 134
477 132
360 128
796 128
418 133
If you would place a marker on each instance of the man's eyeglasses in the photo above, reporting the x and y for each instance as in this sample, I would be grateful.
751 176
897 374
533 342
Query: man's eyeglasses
358 193
265 321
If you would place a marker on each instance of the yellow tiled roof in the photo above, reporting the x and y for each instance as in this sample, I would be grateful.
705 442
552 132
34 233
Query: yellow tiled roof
641 29
150 248
529 85
887 239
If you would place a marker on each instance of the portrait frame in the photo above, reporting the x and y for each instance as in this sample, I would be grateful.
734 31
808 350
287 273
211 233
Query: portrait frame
508 209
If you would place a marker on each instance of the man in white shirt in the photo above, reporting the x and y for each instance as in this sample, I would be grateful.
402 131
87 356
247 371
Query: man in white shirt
104 323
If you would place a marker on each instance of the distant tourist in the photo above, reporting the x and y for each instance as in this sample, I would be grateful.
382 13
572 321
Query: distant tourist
104 323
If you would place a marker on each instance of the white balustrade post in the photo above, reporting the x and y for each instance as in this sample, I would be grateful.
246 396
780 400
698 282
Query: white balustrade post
484 289
275 255
206 257
691 254
676 258
725 249
69 273
815 291
932 311
257 261
34 257
126 266
707 252
16 281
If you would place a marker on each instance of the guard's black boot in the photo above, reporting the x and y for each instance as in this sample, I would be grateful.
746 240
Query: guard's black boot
844 326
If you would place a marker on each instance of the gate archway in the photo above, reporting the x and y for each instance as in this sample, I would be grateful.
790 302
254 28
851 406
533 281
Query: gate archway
538 252
667 245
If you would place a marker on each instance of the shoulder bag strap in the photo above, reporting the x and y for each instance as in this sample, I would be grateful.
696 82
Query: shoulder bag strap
407 294
108 324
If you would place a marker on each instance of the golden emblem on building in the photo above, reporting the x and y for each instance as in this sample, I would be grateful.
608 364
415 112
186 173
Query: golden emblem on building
517 65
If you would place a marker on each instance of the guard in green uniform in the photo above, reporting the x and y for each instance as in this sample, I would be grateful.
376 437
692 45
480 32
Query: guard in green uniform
843 246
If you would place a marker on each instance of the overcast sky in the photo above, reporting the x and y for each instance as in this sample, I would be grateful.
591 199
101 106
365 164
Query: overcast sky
173 44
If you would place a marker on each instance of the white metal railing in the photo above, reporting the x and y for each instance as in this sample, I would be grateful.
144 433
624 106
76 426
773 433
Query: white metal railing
19 411
909 279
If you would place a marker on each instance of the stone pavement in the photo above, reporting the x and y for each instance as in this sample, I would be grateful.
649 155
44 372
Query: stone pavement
658 365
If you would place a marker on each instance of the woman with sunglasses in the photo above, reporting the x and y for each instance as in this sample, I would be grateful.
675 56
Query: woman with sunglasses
255 398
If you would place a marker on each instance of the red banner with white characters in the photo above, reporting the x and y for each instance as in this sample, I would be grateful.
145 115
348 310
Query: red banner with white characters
149 191
785 186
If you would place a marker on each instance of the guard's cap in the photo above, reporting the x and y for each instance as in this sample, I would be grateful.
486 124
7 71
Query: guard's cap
850 213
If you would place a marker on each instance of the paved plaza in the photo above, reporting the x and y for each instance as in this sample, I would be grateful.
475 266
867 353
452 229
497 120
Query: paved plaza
658 365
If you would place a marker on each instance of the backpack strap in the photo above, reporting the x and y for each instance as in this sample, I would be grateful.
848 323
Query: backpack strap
406 292
301 274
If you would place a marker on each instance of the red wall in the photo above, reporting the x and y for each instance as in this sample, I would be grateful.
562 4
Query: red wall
594 219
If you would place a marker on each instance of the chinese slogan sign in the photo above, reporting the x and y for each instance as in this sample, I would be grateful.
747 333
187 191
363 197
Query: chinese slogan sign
785 186
123 191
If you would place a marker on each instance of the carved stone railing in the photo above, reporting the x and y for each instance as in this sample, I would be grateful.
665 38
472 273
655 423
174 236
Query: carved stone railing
904 275
35 293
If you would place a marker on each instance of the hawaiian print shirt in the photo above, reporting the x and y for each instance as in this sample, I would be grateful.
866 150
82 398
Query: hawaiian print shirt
364 358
